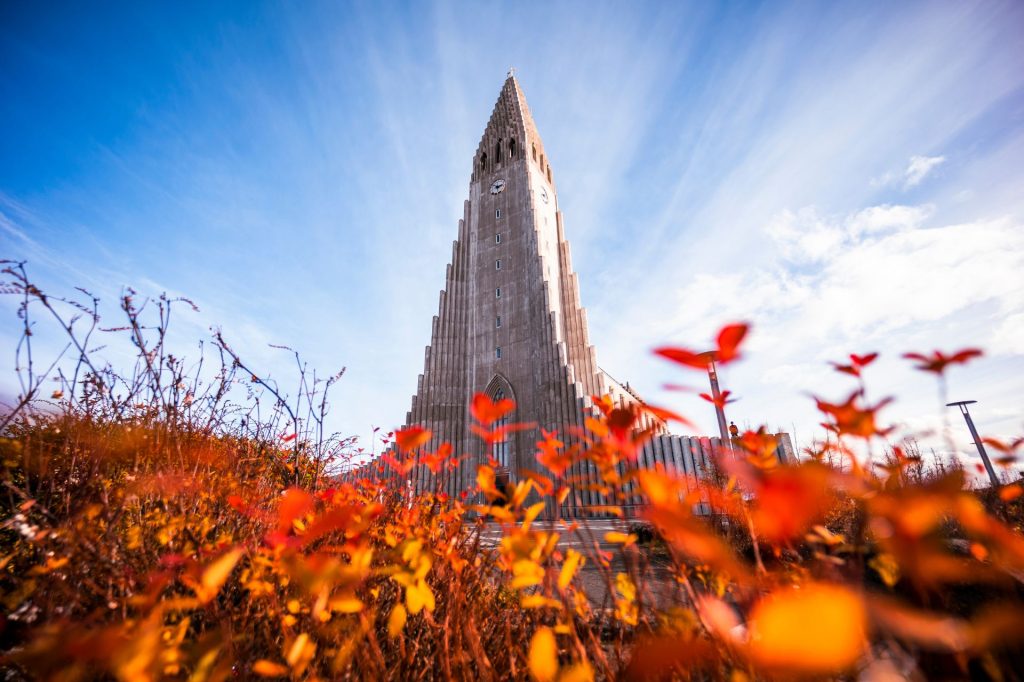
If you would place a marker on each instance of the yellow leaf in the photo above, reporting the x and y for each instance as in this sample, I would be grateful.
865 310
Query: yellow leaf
617 538
816 628
886 567
581 672
215 575
418 596
265 668
294 606
573 560
538 601
396 621
521 491
526 573
301 650
625 587
346 604
531 513
543 655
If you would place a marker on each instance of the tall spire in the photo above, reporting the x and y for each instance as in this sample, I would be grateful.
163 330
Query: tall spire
510 119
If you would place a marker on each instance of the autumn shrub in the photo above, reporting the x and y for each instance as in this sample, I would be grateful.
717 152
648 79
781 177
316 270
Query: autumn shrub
167 524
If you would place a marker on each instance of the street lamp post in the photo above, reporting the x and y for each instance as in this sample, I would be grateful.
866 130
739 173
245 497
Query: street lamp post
723 430
977 439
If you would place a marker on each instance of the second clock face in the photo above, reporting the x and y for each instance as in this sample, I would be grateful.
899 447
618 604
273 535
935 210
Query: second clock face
544 194
498 186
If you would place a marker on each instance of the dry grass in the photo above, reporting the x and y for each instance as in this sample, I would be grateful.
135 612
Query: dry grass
157 527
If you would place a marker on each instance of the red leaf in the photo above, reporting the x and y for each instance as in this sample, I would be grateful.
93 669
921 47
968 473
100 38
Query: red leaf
729 339
667 415
938 361
721 402
684 357
285 439
728 342
861 361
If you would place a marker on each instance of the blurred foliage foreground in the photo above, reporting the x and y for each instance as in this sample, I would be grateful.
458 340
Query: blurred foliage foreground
164 526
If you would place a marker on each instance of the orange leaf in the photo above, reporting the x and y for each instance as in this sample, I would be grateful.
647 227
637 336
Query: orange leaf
551 453
436 461
486 480
1010 493
294 504
411 438
815 628
850 418
216 574
265 668
486 411
543 659
402 467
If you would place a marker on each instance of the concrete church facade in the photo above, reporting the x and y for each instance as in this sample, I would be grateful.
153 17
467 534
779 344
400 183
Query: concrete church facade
510 323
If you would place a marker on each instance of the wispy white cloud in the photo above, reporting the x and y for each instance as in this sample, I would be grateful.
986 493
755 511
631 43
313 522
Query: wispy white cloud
302 175
919 167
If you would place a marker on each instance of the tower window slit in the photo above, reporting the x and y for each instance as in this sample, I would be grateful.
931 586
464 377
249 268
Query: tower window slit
535 153
497 353
497 238
497 293
497 321
497 264
497 213
512 148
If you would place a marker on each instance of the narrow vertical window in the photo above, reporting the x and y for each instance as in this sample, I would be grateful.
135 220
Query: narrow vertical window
535 153
549 174
497 213
497 293
497 264
497 151
483 162
497 353
497 238
512 148
497 321
500 449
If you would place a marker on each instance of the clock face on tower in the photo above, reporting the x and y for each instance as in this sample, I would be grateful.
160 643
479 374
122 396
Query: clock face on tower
498 186
544 194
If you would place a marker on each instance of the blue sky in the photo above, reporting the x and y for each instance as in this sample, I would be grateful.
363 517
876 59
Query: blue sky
846 176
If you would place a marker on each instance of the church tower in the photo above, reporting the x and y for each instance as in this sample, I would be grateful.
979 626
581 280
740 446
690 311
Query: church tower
510 323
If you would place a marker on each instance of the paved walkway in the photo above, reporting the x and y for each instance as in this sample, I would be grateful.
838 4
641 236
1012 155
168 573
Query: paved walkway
595 580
